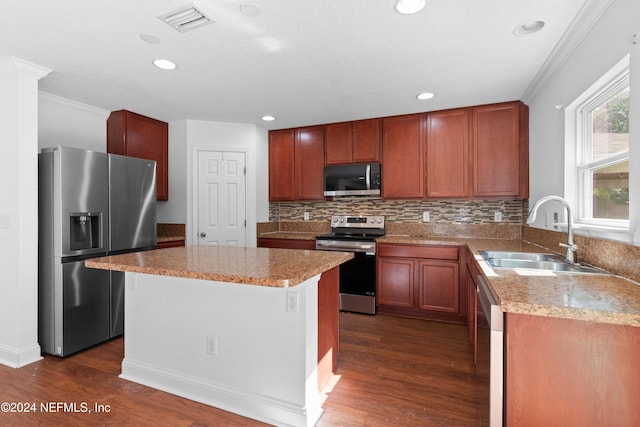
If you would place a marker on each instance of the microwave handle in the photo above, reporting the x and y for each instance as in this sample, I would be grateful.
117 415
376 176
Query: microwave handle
368 177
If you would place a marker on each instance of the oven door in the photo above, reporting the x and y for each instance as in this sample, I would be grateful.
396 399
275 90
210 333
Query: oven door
358 275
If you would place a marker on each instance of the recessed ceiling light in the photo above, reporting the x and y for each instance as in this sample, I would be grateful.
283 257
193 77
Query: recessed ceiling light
165 64
528 27
408 7
268 118
250 9
149 38
425 95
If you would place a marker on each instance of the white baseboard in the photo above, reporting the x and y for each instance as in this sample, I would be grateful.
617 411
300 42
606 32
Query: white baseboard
17 358
252 405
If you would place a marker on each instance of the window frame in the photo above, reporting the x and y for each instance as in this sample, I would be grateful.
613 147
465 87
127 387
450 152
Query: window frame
578 148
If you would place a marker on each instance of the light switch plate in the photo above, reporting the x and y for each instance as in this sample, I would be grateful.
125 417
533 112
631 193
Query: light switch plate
426 216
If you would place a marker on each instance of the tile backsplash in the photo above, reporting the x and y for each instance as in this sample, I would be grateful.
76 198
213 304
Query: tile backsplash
405 211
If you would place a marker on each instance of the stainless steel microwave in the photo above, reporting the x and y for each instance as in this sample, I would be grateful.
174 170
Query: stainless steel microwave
352 180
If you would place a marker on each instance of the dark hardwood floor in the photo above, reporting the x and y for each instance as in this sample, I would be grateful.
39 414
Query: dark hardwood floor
391 371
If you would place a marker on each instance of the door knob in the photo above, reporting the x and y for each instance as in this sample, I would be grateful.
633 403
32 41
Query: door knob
203 234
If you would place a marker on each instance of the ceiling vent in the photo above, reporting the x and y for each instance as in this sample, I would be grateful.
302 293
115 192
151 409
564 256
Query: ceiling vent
186 19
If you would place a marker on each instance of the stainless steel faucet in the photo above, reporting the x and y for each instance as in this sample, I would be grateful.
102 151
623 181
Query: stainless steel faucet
570 245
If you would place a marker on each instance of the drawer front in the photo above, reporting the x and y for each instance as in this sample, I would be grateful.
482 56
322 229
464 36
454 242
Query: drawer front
418 251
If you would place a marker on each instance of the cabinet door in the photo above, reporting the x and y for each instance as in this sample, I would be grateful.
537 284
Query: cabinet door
281 165
134 135
499 150
438 287
309 163
403 157
395 280
286 243
338 143
447 153
366 141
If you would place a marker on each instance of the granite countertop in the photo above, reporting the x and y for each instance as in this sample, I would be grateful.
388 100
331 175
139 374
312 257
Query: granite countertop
598 298
256 266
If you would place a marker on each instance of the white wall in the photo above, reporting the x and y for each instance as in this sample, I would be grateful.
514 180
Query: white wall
606 43
229 136
73 124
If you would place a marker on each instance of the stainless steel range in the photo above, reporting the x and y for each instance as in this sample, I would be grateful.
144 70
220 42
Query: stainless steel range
355 234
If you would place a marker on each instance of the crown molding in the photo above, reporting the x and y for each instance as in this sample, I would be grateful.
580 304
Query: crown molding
589 14
71 103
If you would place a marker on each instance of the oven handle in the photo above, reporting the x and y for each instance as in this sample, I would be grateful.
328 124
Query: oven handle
329 245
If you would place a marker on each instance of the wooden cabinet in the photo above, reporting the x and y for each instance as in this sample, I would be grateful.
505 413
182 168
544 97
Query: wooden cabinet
352 142
565 372
500 150
296 164
281 165
134 135
286 243
447 153
403 157
309 165
171 244
420 281
395 281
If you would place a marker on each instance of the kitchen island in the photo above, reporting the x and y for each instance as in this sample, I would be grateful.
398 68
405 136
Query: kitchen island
232 327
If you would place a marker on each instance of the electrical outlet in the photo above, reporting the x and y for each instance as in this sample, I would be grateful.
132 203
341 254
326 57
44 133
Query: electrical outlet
426 216
306 216
497 216
212 346
292 302
555 217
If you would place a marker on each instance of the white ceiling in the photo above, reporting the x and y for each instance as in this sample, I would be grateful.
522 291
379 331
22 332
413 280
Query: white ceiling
304 61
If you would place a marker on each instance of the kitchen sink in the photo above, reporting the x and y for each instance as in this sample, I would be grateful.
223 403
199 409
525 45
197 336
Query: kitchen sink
536 261
524 256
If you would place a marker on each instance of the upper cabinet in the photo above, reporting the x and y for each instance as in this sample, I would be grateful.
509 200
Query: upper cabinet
500 150
473 152
296 164
447 153
352 142
281 164
134 135
403 157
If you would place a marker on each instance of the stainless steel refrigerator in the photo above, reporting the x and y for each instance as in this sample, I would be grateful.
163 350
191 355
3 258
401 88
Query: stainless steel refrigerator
91 204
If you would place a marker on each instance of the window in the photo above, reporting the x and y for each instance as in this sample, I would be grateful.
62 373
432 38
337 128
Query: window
601 168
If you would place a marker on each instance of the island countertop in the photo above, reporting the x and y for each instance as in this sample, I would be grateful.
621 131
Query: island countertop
255 266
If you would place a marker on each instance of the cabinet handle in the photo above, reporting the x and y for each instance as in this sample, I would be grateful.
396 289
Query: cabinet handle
203 234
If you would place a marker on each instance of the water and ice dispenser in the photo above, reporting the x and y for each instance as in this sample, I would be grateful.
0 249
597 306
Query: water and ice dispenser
85 231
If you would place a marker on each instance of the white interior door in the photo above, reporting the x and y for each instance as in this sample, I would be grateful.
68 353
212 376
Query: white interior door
221 198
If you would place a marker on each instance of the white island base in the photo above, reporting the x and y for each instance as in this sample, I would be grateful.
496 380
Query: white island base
247 349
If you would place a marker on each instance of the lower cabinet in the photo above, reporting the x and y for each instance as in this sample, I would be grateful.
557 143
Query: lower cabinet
420 281
170 244
286 243
564 372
